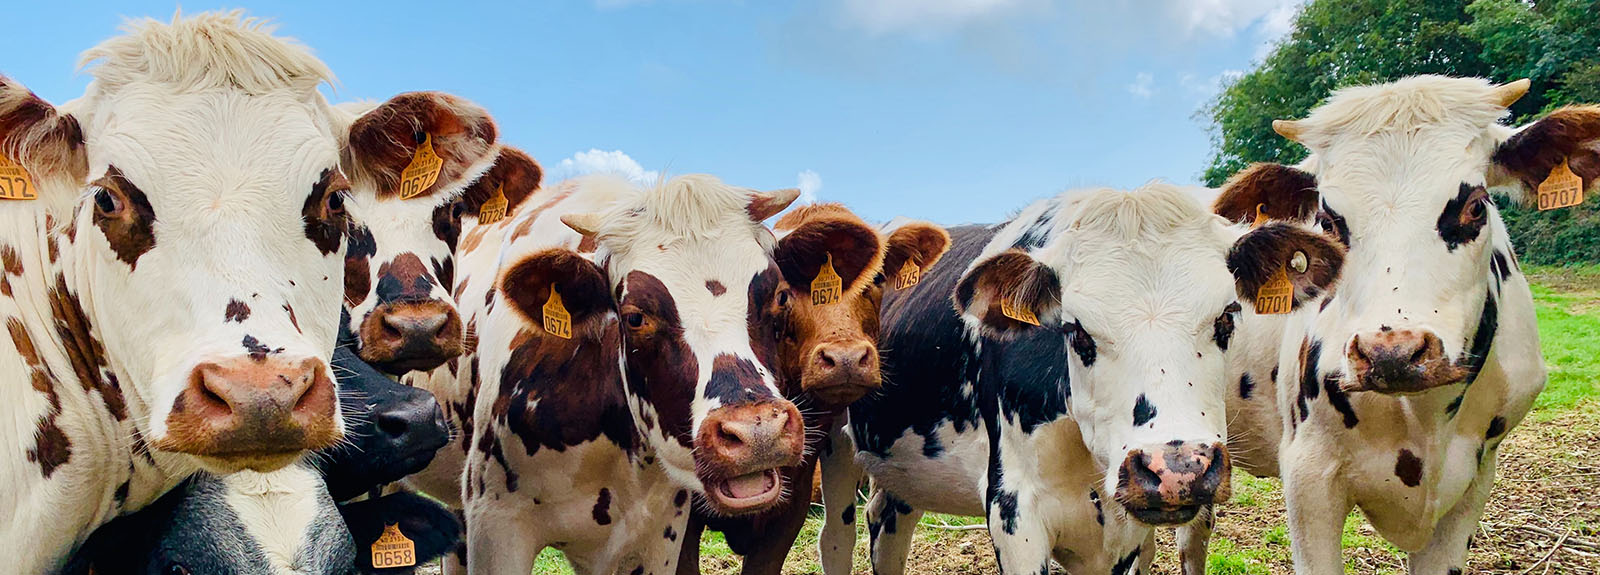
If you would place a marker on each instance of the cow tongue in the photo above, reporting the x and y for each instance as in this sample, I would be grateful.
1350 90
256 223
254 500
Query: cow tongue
748 485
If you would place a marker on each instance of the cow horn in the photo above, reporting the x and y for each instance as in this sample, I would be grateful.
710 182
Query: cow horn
764 205
1288 128
1508 93
586 224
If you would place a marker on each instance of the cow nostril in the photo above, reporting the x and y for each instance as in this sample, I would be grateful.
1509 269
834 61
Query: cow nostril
827 359
392 425
728 437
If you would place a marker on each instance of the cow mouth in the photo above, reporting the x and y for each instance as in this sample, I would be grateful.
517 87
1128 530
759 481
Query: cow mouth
1164 516
746 493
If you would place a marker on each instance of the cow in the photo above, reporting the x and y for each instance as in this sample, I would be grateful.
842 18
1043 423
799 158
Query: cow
625 364
829 358
216 524
1072 394
1394 392
171 246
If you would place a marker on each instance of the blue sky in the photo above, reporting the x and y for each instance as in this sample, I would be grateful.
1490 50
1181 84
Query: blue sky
949 110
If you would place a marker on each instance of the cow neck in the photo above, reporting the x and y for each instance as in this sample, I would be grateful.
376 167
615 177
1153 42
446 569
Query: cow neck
78 382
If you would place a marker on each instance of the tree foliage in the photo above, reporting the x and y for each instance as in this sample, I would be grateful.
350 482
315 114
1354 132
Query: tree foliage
1338 43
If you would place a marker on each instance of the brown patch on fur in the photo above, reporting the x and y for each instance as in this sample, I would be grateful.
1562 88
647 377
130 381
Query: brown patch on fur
292 319
473 238
84 352
531 217
1408 467
357 266
51 447
1569 134
34 134
383 141
1013 276
1257 256
237 311
130 230
404 279
515 174
588 245
1288 194
11 264
662 370
326 224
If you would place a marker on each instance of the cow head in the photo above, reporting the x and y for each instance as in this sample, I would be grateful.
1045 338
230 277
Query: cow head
702 304
1137 284
830 348
400 267
1410 164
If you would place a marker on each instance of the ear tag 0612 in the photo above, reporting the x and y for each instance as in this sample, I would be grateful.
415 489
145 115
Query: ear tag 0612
423 170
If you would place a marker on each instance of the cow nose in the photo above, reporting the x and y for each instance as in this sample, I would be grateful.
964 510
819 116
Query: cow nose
400 337
755 436
1397 361
841 372
1167 485
413 427
254 412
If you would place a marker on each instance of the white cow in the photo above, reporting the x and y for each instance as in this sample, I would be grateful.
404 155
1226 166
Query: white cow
1393 392
172 270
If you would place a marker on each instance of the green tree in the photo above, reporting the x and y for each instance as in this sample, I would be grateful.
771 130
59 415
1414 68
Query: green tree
1338 43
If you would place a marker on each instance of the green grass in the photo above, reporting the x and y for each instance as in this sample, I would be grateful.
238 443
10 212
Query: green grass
1569 333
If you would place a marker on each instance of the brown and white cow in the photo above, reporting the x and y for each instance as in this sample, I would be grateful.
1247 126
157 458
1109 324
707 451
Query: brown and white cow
172 270
1393 392
829 354
614 385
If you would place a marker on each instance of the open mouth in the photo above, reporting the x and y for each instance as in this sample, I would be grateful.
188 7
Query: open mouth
1164 515
747 492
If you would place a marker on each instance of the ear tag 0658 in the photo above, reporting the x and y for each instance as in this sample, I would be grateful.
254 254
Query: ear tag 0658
393 549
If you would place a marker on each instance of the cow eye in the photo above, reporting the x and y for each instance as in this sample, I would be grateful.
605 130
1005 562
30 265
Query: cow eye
177 569
107 204
634 319
1477 210
783 299
334 203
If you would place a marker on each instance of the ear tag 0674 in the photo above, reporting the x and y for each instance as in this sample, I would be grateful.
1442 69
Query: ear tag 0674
827 287
556 319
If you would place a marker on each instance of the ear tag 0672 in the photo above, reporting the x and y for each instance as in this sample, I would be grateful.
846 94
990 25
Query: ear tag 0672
423 170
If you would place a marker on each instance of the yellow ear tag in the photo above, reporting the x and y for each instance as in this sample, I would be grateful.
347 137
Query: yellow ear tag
1021 314
556 319
423 170
827 287
493 210
910 275
1276 296
393 549
1563 189
14 182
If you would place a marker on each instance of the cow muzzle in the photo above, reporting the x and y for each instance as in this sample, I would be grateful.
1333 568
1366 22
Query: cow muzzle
249 413
839 373
405 336
1167 485
740 451
1398 361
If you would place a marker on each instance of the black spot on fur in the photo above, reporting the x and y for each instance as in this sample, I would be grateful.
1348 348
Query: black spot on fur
1246 386
1339 400
932 448
1463 216
1099 514
1455 405
1334 224
1309 388
1408 467
1497 427
1497 262
1082 343
1483 338
669 534
1143 411
1222 330
602 507
849 515
1007 502
1125 565
681 498
258 351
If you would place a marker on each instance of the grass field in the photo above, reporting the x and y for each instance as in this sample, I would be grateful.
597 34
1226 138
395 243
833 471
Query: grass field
1546 492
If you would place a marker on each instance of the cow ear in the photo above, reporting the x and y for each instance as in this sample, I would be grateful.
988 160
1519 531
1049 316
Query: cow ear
1280 192
1009 293
515 174
919 243
431 527
1312 261
764 205
846 243
43 140
580 284
384 141
1525 159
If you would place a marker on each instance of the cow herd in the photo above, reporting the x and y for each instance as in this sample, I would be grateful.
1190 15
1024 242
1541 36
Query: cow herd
217 282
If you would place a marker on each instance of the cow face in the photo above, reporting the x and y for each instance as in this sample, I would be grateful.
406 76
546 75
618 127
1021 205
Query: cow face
1410 164
1138 286
702 304
400 268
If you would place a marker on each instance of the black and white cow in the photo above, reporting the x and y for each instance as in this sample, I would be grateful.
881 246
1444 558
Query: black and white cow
1394 391
1073 395
172 288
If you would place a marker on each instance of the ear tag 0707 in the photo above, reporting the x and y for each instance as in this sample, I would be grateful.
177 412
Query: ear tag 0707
1563 189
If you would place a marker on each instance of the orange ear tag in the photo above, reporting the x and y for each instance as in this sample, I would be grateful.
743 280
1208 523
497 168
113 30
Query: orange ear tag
14 182
1261 217
1276 296
493 210
423 170
910 275
1563 189
393 549
827 287
556 319
1015 312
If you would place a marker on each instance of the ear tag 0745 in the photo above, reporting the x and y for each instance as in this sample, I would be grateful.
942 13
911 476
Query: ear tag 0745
910 275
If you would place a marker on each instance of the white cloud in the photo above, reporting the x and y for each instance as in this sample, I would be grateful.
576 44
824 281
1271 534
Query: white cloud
1227 17
614 162
1204 89
1143 85
810 184
888 16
